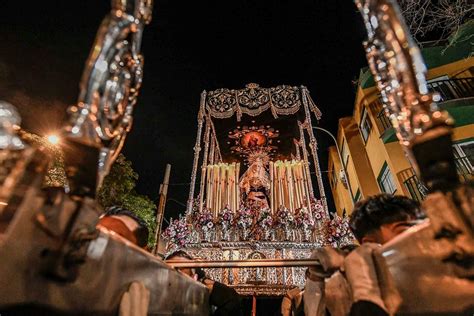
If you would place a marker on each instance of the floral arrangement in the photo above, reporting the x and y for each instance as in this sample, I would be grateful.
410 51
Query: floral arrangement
245 218
177 232
204 220
226 216
304 218
338 228
195 210
317 210
265 218
284 218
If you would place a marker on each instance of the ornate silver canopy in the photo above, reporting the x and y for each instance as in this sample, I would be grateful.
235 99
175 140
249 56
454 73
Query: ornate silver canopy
253 100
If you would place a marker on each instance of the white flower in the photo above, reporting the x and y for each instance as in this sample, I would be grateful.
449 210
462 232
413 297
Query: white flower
210 224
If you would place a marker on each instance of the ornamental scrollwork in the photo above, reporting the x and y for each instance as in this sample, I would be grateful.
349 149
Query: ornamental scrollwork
253 100
221 102
285 99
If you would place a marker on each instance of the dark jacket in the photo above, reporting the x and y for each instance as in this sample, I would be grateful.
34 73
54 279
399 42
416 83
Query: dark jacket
226 300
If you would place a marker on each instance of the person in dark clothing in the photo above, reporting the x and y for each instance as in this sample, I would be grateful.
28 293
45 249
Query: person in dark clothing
223 299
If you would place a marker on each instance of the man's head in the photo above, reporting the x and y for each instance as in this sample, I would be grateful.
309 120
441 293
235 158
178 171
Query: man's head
125 223
381 217
181 255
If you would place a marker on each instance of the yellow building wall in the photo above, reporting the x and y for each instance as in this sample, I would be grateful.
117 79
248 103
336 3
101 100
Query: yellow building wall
458 69
366 160
463 132
397 162
358 160
340 193
358 169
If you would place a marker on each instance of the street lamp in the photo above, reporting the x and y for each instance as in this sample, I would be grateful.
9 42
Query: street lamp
53 139
340 158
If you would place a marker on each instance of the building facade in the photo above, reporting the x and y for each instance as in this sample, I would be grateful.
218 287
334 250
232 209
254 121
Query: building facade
373 159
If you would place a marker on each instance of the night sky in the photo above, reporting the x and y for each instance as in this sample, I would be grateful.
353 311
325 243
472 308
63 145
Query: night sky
188 47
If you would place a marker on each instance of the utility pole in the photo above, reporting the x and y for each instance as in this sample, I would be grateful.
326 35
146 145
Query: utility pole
161 206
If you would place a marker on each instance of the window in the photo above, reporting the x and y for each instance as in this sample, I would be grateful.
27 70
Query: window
382 119
464 156
358 196
385 180
365 125
334 176
344 152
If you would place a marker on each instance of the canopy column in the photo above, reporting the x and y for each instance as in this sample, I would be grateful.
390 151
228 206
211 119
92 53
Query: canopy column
197 149
313 145
204 161
308 183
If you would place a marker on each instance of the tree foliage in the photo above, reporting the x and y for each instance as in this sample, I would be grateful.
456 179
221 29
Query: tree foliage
118 188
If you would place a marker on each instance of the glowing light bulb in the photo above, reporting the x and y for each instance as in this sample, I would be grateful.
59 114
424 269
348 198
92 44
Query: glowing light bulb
53 139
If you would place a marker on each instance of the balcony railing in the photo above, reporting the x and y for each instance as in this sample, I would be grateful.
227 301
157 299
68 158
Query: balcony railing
417 190
465 167
450 89
413 185
383 120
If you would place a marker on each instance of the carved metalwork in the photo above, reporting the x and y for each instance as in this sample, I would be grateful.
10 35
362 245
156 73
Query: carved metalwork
9 118
302 141
313 145
111 81
197 150
262 281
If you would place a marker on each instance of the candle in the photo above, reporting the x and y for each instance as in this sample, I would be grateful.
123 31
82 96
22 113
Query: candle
271 186
237 188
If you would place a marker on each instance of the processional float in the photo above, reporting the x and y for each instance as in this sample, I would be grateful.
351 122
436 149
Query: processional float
255 162
54 258
53 255
251 197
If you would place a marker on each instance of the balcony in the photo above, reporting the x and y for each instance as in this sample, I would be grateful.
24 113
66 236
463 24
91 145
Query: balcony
450 89
417 190
414 187
455 88
465 168
383 120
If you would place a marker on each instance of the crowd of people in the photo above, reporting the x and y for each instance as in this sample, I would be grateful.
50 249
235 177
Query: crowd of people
344 284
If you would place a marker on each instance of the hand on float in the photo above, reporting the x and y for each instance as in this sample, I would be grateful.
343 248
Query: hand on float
330 259
361 274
